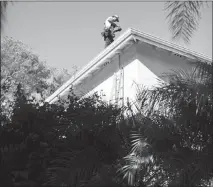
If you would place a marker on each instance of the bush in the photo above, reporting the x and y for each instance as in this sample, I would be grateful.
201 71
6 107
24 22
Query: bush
71 142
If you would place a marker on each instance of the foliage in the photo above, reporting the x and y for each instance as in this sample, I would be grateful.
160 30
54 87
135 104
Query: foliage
78 142
63 143
91 157
58 78
20 65
173 143
183 17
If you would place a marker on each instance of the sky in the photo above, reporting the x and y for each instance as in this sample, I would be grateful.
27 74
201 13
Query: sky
67 34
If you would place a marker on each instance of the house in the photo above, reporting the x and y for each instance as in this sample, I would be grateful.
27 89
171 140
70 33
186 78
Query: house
133 59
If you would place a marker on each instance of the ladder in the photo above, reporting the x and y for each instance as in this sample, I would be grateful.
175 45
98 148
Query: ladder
118 87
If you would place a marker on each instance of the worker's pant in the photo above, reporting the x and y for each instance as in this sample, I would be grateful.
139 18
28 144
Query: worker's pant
108 41
109 34
108 37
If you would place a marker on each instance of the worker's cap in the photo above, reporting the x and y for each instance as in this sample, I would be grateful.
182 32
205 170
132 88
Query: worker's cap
116 16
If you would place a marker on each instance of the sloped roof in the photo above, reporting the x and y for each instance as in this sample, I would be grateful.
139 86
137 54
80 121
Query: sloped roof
127 38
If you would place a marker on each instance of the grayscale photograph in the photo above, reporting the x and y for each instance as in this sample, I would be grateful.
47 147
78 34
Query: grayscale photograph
106 93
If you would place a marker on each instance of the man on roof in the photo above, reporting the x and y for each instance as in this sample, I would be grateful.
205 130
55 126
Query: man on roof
110 28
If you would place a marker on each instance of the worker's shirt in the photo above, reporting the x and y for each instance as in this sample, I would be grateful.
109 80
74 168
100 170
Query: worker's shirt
107 22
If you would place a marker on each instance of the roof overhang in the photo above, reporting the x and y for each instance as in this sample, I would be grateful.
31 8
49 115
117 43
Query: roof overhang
128 38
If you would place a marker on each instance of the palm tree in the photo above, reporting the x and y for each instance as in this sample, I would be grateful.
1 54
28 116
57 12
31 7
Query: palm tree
173 143
183 18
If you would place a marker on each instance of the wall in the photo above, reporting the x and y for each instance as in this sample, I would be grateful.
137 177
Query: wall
160 62
143 65
103 80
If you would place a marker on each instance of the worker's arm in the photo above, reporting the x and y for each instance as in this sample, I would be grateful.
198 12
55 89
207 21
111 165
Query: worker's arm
117 29
113 24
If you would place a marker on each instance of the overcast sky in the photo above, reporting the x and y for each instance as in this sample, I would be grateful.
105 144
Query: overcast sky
65 34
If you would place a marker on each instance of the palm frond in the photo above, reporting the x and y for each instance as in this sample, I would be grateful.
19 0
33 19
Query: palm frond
184 85
136 160
183 18
204 70
176 123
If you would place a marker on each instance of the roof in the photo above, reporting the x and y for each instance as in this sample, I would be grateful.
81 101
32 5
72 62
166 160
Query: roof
127 38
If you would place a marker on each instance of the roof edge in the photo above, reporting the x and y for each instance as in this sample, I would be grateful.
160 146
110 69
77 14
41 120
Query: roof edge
129 34
105 54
